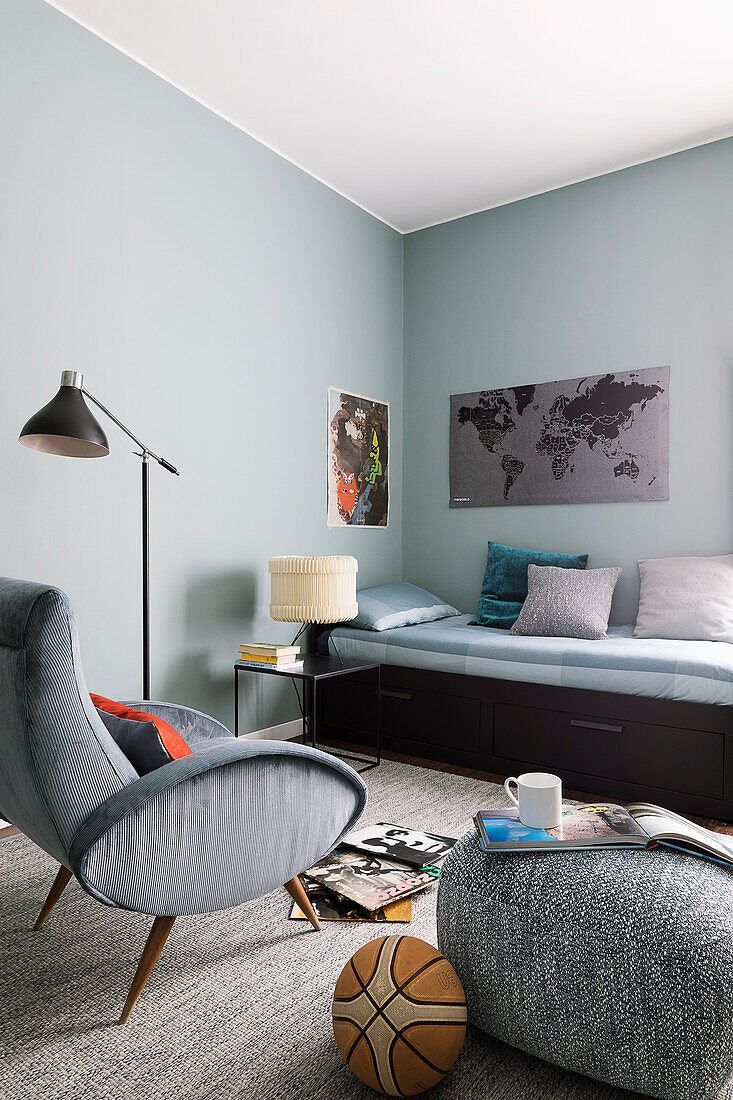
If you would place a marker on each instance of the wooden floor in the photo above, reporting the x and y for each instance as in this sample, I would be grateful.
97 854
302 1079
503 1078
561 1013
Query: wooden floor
580 796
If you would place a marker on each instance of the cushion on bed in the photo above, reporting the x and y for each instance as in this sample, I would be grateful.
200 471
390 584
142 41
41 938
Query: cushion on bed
567 603
504 587
391 605
686 598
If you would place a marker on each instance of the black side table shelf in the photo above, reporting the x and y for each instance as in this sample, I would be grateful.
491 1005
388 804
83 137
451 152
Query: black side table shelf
314 668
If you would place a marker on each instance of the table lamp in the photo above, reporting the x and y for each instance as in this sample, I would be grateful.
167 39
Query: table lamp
316 590
313 590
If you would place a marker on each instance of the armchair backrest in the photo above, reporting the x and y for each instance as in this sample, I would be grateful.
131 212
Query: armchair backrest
58 763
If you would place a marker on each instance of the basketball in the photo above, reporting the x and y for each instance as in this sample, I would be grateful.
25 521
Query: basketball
399 1015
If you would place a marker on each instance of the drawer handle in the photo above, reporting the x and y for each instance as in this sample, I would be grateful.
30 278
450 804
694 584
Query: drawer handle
605 726
396 694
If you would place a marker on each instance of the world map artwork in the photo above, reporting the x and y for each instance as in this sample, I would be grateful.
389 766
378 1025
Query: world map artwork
602 437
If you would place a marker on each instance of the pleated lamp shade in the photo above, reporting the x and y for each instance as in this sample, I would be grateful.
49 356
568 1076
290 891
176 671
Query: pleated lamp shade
313 590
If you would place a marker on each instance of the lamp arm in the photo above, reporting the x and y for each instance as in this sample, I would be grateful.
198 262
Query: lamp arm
146 450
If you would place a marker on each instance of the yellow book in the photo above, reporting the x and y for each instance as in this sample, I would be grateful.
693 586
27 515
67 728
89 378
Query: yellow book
260 659
267 649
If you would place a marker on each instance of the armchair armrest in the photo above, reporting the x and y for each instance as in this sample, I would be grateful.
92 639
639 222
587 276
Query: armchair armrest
230 823
194 726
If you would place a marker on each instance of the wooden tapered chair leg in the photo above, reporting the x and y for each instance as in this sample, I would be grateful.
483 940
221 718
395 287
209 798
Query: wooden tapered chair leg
153 946
59 885
301 899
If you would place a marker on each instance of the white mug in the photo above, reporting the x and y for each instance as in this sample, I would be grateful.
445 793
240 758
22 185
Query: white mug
539 799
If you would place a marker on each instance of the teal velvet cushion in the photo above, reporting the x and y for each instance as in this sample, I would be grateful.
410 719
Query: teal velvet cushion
504 588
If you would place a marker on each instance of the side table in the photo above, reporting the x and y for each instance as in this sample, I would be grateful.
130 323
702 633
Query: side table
314 668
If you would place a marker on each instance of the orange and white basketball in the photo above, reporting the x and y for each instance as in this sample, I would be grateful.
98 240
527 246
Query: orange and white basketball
399 1015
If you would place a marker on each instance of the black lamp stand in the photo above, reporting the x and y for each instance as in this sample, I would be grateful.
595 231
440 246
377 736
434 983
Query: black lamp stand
145 454
66 426
145 471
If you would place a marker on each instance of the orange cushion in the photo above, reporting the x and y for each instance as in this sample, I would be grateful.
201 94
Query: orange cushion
172 741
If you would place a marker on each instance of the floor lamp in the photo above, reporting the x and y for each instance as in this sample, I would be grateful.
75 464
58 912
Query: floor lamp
65 426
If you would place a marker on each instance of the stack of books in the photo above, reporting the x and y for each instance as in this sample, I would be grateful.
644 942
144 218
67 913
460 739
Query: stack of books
373 873
257 654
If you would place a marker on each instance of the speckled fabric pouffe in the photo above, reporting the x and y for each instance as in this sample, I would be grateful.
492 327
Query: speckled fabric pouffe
618 965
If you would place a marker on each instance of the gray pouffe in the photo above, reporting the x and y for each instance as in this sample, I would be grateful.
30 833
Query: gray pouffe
618 965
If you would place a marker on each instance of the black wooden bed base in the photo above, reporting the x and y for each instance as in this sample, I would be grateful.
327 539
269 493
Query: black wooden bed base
677 754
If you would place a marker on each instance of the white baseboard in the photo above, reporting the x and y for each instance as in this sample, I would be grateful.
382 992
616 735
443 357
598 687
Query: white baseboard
284 732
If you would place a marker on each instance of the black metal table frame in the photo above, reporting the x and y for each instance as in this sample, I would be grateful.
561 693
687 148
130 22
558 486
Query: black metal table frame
309 703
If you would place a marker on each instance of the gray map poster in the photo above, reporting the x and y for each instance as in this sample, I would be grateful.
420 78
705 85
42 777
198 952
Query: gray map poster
604 437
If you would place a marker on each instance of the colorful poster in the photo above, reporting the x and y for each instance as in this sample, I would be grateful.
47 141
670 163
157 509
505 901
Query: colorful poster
358 460
603 437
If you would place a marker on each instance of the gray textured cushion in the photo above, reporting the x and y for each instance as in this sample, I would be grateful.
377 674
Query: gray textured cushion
391 605
686 598
618 965
566 603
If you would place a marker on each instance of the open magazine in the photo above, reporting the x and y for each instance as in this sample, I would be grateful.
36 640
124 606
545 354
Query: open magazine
603 825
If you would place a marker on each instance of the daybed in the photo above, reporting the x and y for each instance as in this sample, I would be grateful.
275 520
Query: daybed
624 717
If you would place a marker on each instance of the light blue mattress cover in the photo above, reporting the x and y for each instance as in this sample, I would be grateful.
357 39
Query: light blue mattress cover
697 672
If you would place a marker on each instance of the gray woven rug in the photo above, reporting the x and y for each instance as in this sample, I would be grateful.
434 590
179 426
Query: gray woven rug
238 1005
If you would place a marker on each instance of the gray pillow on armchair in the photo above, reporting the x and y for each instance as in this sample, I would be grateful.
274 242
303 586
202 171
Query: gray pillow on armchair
567 603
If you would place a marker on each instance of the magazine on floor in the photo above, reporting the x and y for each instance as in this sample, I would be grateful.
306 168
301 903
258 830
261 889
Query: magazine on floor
330 906
603 825
369 880
399 842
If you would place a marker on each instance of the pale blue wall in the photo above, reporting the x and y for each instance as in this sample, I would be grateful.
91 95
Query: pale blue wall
630 270
210 292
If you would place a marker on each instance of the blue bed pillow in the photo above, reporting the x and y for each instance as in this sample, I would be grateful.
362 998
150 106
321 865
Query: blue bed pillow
391 605
504 587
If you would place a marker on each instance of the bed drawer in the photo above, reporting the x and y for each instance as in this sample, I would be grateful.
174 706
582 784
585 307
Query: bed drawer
419 717
688 761
432 719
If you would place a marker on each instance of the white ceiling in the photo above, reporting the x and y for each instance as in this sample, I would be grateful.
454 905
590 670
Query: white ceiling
425 110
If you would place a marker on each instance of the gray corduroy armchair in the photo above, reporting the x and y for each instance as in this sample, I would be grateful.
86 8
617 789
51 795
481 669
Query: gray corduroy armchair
229 823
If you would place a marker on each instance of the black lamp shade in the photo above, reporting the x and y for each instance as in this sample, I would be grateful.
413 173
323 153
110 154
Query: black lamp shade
65 426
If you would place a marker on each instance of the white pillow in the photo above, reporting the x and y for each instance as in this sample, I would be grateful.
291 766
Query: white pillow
389 606
686 598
